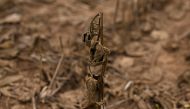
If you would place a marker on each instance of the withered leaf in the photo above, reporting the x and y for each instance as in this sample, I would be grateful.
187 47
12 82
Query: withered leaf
13 18
8 53
9 79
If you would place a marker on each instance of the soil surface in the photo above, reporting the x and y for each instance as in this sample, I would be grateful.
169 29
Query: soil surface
148 67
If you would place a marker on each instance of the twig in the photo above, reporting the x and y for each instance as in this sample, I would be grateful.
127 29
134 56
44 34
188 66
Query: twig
128 85
56 71
34 102
124 11
58 66
116 13
101 28
49 90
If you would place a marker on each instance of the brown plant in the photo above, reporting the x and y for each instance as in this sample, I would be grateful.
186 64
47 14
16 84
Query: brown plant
98 57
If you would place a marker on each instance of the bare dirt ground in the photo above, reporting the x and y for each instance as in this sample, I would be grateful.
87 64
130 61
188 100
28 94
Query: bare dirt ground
148 67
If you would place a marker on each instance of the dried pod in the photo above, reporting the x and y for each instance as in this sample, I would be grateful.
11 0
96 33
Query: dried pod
93 91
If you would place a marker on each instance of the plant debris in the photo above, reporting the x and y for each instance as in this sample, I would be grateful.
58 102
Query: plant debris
45 65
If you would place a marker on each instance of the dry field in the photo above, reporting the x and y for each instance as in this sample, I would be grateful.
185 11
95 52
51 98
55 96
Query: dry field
140 60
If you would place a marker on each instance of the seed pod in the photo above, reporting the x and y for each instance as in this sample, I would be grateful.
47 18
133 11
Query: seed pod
92 92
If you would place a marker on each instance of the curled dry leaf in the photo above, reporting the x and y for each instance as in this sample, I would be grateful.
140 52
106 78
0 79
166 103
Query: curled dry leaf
6 44
22 94
149 98
22 90
18 106
5 72
9 53
10 79
11 19
159 35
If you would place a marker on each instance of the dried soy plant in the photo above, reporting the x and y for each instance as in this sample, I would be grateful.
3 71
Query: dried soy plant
93 39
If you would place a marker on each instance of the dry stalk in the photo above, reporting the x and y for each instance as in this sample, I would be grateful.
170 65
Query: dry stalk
56 71
34 102
98 57
50 90
136 9
115 14
58 65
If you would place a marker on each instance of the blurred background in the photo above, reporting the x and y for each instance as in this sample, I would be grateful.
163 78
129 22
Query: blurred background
148 67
